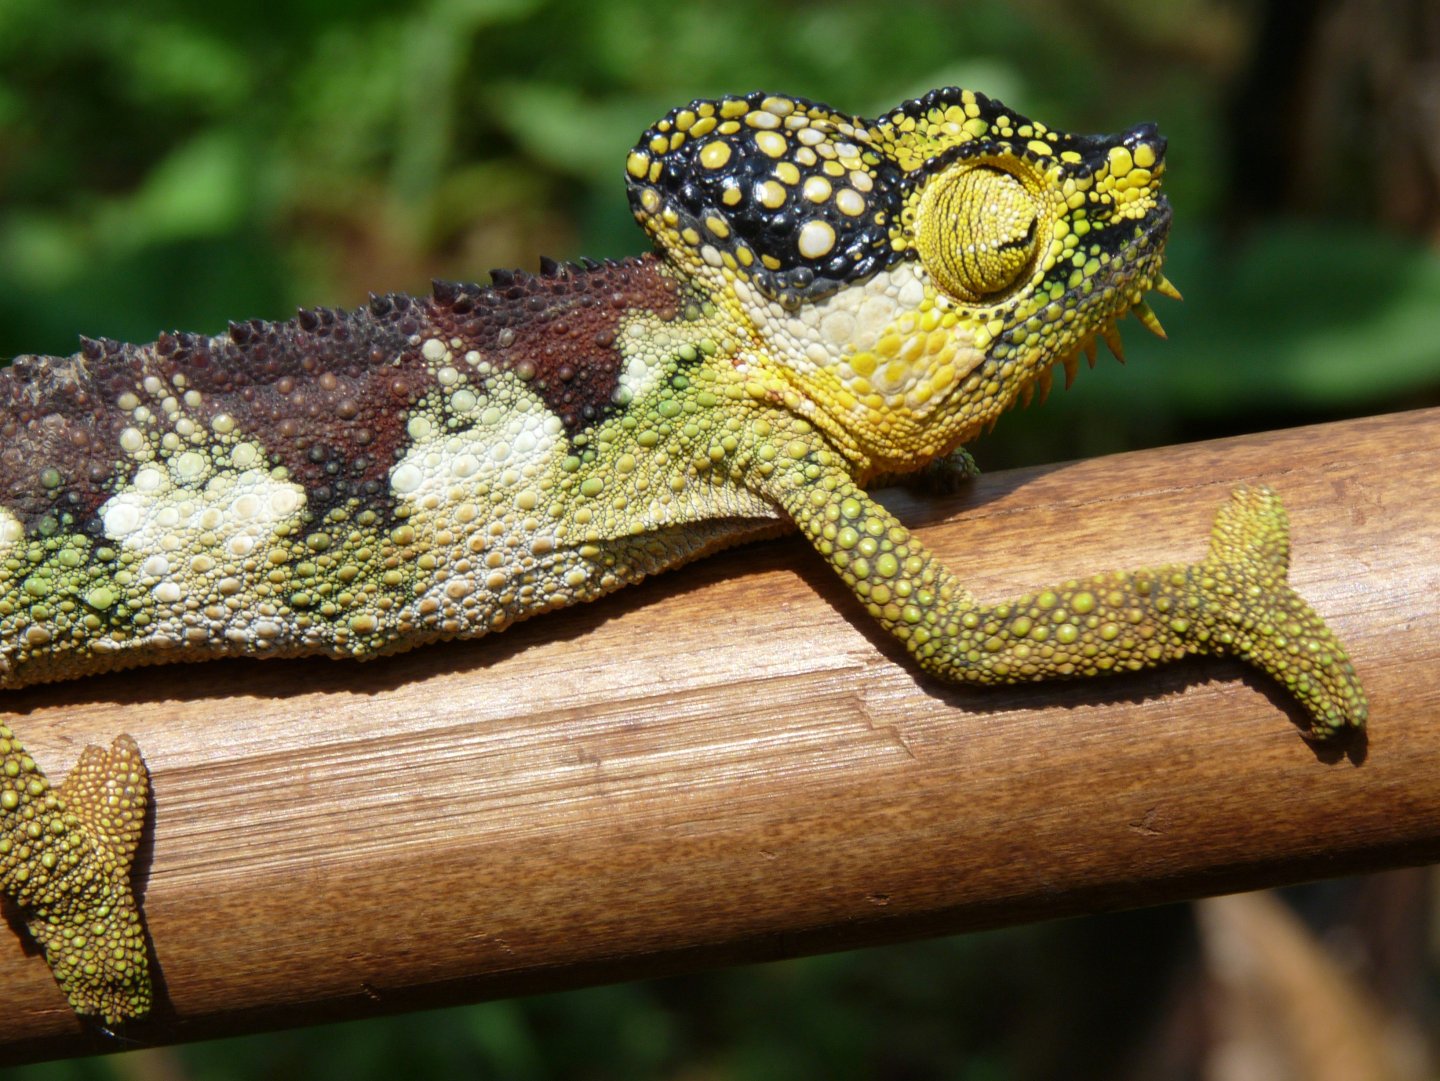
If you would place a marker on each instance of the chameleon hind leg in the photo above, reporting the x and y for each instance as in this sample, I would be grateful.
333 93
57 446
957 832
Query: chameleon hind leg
65 859
1236 602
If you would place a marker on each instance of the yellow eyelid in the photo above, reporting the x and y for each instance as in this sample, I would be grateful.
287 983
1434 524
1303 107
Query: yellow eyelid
980 227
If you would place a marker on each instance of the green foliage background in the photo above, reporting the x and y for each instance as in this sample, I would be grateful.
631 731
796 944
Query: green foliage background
178 164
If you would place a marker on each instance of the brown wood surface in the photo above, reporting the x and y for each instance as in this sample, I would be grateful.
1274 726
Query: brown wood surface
729 763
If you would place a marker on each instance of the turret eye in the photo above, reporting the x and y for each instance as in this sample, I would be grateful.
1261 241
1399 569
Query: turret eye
976 230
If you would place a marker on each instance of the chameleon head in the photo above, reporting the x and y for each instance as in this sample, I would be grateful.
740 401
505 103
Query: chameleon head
908 276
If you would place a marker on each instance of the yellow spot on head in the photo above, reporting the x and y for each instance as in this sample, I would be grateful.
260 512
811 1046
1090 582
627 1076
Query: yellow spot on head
771 142
714 155
816 239
770 194
850 202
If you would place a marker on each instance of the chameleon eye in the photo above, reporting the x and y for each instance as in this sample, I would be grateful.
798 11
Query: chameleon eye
976 230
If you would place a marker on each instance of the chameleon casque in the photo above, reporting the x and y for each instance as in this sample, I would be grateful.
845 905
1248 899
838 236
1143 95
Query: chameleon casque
831 299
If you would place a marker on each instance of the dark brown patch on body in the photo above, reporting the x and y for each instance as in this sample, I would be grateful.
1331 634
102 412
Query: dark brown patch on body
558 329
327 394
60 431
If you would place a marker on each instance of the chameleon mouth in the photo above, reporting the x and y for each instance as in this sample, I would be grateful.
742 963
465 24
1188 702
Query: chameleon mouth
1157 227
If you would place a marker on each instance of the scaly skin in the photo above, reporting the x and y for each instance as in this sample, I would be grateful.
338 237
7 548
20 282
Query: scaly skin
832 300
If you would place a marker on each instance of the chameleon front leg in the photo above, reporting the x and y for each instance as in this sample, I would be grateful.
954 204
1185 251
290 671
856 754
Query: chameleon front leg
65 859
1236 602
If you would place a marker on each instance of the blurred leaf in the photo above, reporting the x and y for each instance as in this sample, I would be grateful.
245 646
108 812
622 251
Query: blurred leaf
202 188
11 108
50 248
501 1033
1334 316
342 103
179 62
473 14
566 129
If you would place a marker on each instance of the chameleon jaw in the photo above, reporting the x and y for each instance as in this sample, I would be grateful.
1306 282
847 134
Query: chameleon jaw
1109 333
1134 270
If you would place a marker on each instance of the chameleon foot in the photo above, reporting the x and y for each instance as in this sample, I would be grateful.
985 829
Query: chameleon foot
1250 611
65 858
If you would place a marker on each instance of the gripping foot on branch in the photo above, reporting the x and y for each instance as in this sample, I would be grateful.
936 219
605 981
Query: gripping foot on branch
65 857
1250 611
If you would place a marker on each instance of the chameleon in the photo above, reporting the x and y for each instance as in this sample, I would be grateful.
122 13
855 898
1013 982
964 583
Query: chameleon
831 301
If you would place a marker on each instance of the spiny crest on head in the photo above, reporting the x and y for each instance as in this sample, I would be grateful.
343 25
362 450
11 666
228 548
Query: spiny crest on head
920 134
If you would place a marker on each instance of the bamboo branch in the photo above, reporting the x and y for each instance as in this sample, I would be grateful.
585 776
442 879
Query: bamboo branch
730 763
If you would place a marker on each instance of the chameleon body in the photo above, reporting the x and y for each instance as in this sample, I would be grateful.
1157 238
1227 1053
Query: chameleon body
831 299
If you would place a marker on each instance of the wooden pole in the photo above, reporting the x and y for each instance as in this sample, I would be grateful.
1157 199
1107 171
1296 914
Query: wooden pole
731 763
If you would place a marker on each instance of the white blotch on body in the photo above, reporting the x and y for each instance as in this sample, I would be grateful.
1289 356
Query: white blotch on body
12 531
481 486
155 515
